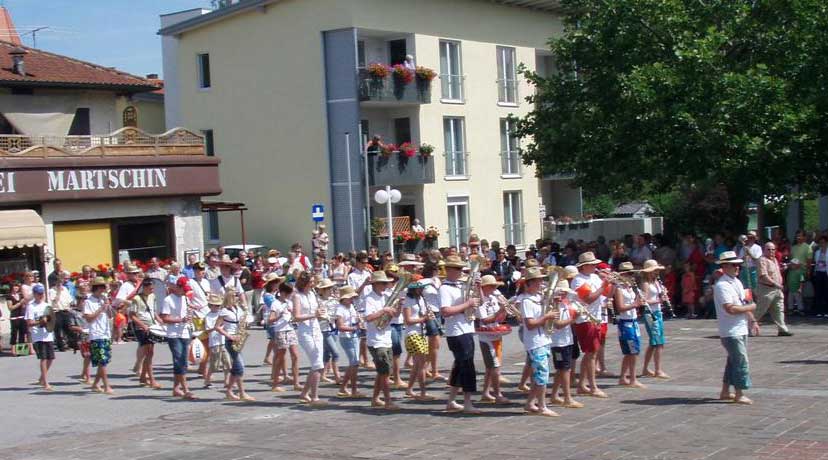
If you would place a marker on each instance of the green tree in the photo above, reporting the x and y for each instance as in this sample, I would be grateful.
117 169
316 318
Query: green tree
713 96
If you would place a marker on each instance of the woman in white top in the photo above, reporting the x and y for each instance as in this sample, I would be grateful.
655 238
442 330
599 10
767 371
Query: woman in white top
284 339
347 322
654 294
327 323
434 328
306 313
230 317
629 337
415 315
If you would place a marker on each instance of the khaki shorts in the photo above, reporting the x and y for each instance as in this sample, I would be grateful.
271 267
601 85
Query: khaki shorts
382 359
219 359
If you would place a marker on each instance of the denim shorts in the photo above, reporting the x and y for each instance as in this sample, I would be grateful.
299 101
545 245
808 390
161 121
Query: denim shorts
350 345
236 360
179 348
329 352
396 339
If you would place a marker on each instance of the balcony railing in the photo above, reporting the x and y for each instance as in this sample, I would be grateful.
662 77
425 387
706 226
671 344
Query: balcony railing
123 142
514 233
397 169
457 164
511 164
507 91
390 89
452 87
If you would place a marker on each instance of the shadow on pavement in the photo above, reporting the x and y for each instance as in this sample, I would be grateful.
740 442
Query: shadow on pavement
673 401
805 361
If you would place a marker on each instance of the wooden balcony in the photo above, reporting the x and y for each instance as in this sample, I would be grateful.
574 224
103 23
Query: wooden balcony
124 142
397 169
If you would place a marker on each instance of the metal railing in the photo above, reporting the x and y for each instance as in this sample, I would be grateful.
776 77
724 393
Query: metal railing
452 87
507 90
511 163
457 164
514 233
123 142
389 89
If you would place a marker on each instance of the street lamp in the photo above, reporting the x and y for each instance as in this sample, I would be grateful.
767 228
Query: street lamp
387 197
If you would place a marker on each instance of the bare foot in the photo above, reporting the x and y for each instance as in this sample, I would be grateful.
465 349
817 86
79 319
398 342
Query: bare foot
547 412
727 396
637 384
453 407
530 409
599 394
377 403
743 400
231 397
647 373
556 401
573 405
662 375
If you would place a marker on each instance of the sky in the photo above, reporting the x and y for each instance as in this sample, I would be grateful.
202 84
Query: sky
111 33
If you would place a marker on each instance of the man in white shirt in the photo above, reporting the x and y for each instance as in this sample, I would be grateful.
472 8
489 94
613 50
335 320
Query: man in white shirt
379 340
227 279
459 335
734 314
175 314
750 253
37 317
358 279
61 300
97 312
590 289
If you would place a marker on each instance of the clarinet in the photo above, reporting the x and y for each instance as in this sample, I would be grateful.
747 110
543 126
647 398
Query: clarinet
665 300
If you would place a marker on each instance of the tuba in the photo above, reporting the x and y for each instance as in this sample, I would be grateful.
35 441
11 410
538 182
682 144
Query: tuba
469 288
399 288
548 300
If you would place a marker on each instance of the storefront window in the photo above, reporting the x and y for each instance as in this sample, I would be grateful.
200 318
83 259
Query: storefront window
143 239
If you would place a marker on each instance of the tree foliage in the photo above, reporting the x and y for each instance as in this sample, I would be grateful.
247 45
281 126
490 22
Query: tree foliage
653 94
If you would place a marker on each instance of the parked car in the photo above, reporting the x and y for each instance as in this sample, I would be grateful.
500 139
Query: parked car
233 250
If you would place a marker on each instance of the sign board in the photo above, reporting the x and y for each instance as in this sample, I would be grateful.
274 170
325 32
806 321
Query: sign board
542 211
317 212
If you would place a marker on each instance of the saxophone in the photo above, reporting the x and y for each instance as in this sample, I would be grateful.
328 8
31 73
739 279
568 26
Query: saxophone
233 298
468 290
399 288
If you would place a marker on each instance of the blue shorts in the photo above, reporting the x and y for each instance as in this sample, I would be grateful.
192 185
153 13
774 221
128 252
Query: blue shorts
654 323
629 336
270 332
396 339
350 345
539 359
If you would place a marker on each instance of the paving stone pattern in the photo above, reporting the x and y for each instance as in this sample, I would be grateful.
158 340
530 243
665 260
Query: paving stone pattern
675 419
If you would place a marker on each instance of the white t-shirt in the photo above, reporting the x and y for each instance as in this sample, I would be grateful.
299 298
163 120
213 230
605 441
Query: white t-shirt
308 304
123 292
530 307
417 309
355 280
231 317
451 294
562 337
488 307
200 290
61 301
629 298
99 327
730 290
210 322
34 311
349 318
374 337
595 283
283 315
431 294
176 305
217 287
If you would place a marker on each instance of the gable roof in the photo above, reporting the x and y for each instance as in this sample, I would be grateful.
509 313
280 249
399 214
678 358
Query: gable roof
46 69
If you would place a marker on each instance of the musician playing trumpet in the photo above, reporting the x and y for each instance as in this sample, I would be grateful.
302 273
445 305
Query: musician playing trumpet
379 340
627 301
536 341
590 288
492 310
459 335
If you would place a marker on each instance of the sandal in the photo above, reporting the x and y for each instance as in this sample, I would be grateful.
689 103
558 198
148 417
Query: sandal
189 396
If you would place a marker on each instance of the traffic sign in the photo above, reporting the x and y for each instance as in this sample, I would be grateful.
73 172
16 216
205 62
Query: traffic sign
318 213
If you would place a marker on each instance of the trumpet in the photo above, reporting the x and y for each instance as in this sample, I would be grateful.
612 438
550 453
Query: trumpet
509 307
582 310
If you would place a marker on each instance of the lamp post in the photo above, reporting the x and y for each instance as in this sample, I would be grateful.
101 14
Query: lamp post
387 197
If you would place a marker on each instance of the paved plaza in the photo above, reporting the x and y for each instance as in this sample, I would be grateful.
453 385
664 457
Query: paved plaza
675 419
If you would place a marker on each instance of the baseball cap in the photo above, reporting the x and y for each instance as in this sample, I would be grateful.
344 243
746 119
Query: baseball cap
38 289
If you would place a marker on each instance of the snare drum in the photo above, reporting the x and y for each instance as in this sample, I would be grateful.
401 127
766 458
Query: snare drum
157 333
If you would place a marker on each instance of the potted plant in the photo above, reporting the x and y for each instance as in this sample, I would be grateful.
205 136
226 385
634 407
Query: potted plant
377 73
387 150
424 78
407 150
426 150
402 77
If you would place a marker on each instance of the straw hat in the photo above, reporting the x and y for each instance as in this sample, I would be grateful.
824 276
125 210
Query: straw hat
215 299
454 262
625 267
271 278
392 268
651 266
531 263
226 260
571 271
347 292
325 284
379 276
409 260
489 280
533 273
729 257
563 286
130 268
98 281
587 258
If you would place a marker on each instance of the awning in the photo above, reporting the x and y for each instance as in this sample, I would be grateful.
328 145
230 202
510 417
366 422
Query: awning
21 228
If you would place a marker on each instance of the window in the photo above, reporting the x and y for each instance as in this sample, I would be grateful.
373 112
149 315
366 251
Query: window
509 150
80 124
458 218
397 51
209 146
130 117
506 76
360 54
204 70
402 130
212 226
451 71
455 142
513 217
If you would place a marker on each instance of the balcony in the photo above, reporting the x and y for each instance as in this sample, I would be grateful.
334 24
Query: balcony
397 169
393 90
123 142
457 165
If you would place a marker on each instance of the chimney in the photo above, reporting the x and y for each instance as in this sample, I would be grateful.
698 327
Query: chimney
18 63
152 76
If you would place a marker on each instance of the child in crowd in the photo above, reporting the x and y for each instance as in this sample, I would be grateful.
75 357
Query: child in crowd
795 279
563 348
218 355
689 290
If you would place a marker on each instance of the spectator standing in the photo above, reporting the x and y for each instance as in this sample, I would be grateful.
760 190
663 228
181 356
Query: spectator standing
820 278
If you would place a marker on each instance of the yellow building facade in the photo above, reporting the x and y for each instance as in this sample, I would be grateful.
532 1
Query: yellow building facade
282 115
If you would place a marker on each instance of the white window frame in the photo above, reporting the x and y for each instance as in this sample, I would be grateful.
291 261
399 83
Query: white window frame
447 78
506 75
455 205
453 172
512 149
513 217
200 70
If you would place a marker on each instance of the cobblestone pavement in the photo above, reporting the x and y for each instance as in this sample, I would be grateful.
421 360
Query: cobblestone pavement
675 419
